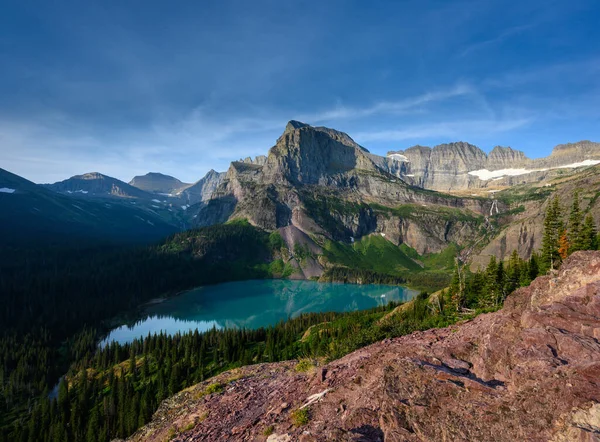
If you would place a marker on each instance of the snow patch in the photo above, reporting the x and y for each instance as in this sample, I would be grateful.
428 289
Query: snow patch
411 175
156 207
485 175
382 234
398 157
150 222
156 201
580 164
6 190
81 191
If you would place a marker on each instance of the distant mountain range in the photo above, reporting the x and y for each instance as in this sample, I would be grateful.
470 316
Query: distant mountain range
460 166
318 184
30 212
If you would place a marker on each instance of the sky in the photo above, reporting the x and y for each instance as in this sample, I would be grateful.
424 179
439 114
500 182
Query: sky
130 87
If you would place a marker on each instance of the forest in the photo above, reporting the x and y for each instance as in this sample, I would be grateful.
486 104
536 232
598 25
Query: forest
56 302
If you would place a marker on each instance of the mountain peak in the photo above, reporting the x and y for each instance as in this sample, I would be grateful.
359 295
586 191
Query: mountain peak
294 124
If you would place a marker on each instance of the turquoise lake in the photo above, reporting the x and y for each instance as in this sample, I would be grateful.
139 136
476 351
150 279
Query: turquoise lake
254 304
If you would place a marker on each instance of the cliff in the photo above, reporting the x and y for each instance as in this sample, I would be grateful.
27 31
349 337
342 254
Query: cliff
527 372
459 166
323 183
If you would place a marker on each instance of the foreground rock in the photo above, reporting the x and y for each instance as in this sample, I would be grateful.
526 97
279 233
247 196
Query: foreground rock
530 372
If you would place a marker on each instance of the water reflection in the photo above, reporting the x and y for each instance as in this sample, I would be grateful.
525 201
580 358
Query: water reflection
253 304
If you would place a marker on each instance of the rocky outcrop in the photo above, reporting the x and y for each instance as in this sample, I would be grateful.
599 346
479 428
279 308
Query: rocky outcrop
203 189
312 163
527 372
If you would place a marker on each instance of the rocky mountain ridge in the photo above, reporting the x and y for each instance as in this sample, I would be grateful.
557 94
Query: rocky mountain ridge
526 372
309 165
31 212
158 183
460 166
99 185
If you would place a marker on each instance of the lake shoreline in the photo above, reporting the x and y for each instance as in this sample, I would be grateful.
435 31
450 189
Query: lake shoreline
249 304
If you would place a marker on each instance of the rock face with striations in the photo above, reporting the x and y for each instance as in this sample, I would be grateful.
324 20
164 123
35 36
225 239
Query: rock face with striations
454 166
309 164
528 372
203 189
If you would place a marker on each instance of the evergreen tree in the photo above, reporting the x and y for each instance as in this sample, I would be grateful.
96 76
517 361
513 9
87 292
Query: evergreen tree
575 224
550 258
588 234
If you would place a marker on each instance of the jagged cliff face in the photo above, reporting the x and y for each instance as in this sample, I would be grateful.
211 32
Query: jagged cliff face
309 164
203 189
459 166
525 373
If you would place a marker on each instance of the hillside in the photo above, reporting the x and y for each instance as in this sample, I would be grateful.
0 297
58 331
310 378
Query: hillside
33 213
527 203
526 372
158 183
321 183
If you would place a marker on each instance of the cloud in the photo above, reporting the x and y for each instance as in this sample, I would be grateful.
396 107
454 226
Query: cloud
504 35
453 130
389 107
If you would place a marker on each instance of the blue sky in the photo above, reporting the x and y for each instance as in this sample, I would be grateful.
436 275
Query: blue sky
127 87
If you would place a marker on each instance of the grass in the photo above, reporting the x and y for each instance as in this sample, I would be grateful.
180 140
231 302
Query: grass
214 388
371 252
300 417
304 366
268 430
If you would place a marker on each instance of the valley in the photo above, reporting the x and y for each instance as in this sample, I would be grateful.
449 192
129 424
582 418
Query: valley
310 252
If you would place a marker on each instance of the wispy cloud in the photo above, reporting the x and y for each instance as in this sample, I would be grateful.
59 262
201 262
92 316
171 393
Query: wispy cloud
452 130
341 112
504 35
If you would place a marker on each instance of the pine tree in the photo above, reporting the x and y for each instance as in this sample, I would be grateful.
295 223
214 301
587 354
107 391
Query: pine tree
550 258
575 222
588 234
533 267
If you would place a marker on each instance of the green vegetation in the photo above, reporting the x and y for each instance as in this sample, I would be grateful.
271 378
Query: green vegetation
561 238
375 260
371 252
522 193
214 388
304 365
268 430
416 211
300 417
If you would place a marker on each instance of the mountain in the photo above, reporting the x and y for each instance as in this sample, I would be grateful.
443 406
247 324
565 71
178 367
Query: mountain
320 182
526 372
31 212
521 228
95 184
158 183
203 189
456 167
